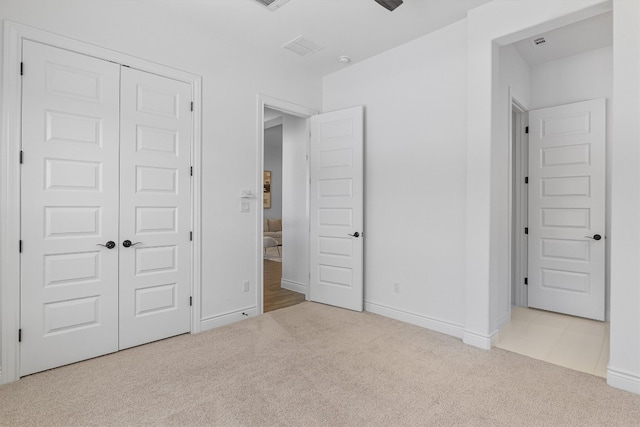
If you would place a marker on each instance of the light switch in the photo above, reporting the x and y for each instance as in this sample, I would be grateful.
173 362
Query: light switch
245 207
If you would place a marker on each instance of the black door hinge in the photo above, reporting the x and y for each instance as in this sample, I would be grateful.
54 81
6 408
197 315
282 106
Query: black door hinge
20 246
190 301
21 156
526 280
526 230
191 171
191 236
22 68
191 105
19 335
526 130
526 179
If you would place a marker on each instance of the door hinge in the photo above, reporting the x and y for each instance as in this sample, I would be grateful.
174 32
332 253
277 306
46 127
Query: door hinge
191 172
526 230
191 105
20 246
526 179
526 130
190 301
191 236
526 280
19 335
21 156
22 68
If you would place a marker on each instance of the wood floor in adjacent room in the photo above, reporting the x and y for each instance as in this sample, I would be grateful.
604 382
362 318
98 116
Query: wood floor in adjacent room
275 297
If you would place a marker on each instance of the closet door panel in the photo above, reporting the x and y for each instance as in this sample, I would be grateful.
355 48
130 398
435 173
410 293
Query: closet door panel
155 207
69 293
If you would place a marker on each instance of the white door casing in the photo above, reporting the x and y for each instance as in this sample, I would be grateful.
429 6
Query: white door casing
336 208
155 214
69 206
567 209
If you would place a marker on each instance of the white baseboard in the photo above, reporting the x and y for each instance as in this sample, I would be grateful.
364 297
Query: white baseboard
437 325
227 318
485 342
623 380
301 288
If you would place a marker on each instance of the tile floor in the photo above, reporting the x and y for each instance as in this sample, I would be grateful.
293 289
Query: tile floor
572 342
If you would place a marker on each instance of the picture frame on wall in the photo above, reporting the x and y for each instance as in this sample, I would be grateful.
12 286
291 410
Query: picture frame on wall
266 194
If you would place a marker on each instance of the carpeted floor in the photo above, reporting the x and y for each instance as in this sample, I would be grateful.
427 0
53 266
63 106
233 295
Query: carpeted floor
313 365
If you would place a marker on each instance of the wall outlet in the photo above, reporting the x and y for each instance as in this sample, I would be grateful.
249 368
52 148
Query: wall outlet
396 287
245 285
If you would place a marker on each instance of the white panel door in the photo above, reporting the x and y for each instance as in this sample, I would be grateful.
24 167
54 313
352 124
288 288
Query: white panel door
567 209
155 214
336 208
69 292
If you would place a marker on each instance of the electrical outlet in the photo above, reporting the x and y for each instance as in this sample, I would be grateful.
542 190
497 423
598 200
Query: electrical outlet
396 287
246 285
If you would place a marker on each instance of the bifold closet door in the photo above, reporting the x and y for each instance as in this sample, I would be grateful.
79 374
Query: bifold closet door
155 201
69 280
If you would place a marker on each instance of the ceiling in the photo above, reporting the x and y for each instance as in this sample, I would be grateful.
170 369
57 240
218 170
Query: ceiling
579 37
356 28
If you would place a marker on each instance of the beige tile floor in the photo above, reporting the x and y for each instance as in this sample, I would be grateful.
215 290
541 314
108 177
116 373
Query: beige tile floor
572 342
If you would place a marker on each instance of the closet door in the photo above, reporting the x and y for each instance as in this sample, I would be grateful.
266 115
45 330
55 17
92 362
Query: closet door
69 275
155 214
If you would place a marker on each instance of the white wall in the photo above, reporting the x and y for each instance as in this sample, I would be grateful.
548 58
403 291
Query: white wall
273 163
295 216
415 174
233 75
577 78
624 361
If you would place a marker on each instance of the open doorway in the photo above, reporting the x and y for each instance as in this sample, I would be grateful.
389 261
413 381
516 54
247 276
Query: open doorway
561 73
280 164
283 227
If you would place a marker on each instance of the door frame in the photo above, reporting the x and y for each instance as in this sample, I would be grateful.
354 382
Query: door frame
10 185
294 110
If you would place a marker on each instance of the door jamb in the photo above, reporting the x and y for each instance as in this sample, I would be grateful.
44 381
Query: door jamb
10 144
519 215
287 108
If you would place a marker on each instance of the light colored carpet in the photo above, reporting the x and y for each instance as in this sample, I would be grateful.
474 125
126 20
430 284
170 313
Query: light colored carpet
313 365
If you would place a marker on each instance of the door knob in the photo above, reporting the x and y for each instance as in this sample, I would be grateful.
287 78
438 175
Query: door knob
356 234
128 243
109 245
595 237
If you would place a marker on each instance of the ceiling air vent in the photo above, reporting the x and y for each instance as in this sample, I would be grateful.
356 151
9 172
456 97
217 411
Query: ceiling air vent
538 42
271 4
302 46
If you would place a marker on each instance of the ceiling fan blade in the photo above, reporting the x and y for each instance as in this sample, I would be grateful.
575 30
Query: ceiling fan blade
389 4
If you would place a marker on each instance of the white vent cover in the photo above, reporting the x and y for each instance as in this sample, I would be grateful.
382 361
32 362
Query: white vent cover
303 46
271 4
538 42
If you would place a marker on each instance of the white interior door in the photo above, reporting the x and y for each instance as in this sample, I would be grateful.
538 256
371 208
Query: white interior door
567 209
336 208
69 293
155 201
